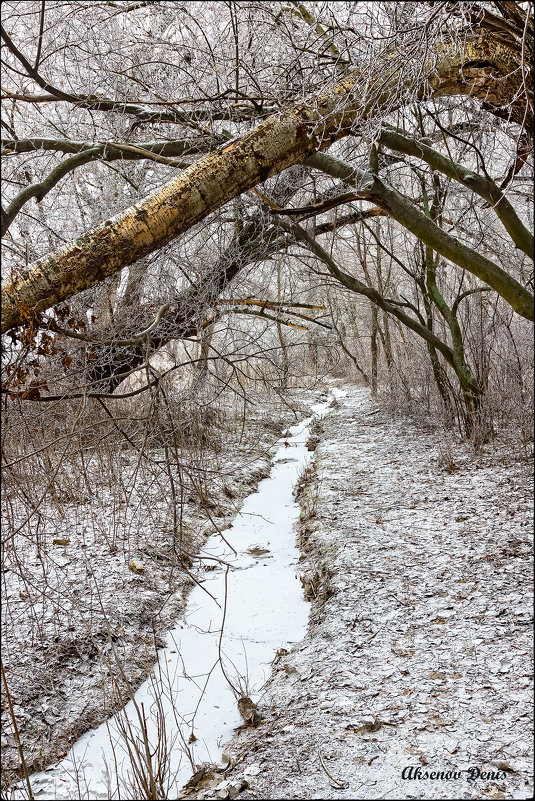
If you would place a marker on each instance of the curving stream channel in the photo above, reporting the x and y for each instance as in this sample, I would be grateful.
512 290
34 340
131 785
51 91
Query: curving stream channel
186 711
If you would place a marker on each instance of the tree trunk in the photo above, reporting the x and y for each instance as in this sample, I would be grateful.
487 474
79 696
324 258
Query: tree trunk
480 67
285 367
375 325
373 351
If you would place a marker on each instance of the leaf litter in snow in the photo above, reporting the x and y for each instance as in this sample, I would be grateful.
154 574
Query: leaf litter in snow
419 648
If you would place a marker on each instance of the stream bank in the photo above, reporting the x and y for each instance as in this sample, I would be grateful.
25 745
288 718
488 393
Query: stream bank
418 561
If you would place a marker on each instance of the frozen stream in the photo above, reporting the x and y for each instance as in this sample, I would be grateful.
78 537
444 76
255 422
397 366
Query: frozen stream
254 586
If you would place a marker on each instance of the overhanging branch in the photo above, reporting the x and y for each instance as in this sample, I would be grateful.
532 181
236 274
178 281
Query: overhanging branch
275 144
428 232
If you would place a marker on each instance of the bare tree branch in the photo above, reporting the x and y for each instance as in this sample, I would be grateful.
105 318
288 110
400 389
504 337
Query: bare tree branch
427 231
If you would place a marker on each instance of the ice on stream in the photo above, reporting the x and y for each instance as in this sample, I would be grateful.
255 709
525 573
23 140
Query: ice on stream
255 587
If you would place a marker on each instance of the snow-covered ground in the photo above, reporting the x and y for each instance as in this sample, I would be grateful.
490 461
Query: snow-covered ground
418 560
416 557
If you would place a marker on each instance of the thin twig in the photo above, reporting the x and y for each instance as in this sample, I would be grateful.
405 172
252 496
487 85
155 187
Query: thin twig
343 785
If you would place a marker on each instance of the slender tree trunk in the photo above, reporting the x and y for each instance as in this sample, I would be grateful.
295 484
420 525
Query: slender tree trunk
374 322
384 331
373 351
387 345
438 371
284 350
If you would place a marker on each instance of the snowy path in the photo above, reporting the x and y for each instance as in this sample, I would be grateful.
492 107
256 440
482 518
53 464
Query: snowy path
419 647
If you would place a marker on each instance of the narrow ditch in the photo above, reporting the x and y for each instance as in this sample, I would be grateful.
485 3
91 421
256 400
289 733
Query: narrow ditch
247 604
